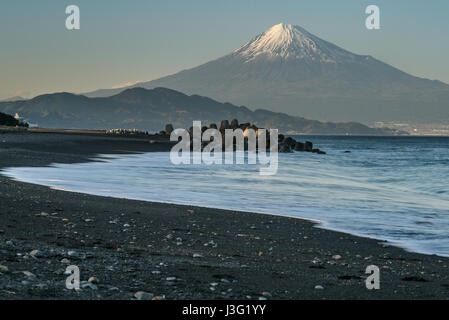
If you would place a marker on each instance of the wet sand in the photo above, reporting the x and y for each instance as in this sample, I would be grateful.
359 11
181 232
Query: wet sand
178 252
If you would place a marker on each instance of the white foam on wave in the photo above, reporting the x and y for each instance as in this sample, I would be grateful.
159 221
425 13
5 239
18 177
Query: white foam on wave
346 199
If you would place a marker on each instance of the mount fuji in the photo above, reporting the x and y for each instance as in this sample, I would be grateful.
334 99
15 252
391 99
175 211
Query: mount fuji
288 69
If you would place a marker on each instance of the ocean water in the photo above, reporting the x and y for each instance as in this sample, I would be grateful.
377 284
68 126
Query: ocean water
389 188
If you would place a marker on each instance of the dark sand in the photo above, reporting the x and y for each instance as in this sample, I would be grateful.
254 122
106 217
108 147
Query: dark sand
132 246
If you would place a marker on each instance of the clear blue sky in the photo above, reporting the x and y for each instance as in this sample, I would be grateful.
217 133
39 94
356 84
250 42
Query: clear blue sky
127 41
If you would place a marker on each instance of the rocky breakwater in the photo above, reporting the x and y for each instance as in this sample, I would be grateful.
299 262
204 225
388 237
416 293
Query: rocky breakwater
288 144
244 131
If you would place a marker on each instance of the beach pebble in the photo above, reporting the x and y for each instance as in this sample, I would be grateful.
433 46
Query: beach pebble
157 298
86 284
73 253
37 253
142 295
3 268
266 294
211 243
336 257
319 287
197 255
112 288
41 286
29 274
126 225
262 298
170 278
65 261
93 280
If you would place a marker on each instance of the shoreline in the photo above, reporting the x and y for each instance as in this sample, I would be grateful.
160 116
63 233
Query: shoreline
325 225
249 253
317 223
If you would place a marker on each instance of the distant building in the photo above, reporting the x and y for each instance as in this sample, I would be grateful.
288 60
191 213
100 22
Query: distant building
22 120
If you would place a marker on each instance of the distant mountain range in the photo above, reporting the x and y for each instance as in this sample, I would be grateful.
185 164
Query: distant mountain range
288 69
16 98
151 109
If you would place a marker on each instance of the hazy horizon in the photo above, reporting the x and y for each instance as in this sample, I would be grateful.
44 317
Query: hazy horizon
120 44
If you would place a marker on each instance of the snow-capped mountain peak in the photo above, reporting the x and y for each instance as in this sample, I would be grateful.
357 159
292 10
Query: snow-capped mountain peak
292 42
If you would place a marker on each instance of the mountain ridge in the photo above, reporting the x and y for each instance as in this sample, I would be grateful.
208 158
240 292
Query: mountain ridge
307 76
150 109
15 98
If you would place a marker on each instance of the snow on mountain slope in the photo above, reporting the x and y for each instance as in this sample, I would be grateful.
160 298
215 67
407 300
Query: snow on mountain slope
292 42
